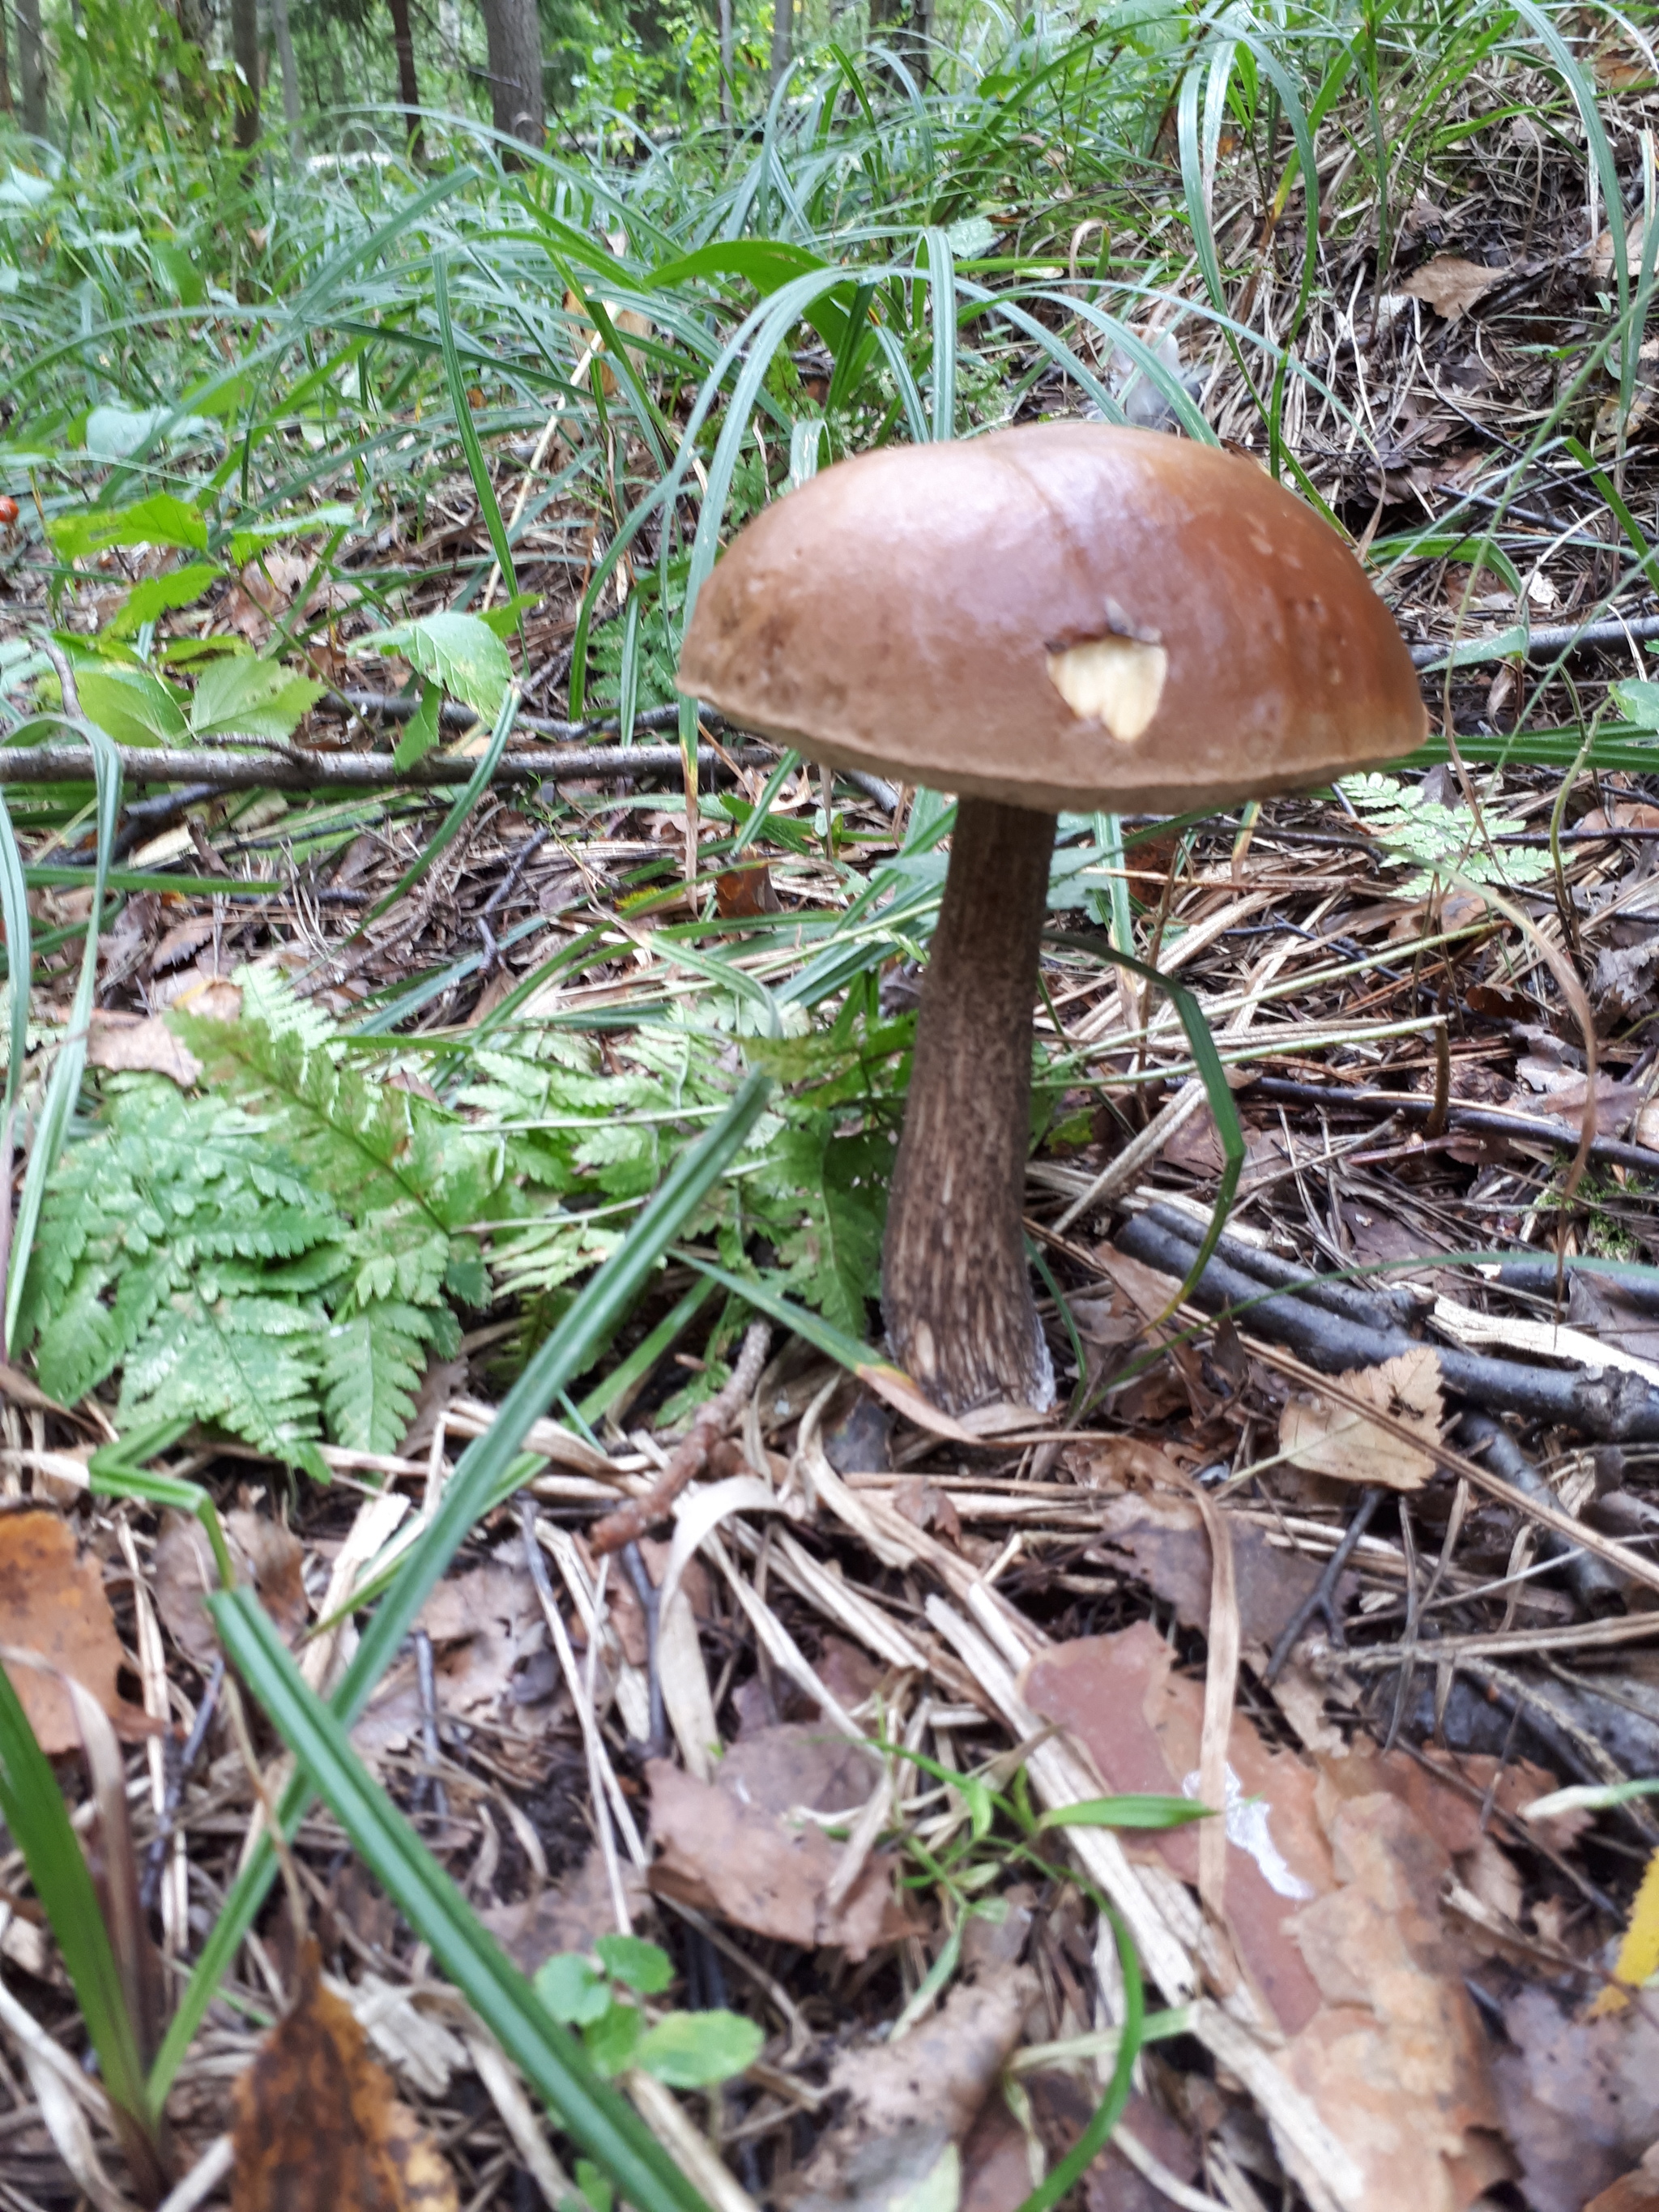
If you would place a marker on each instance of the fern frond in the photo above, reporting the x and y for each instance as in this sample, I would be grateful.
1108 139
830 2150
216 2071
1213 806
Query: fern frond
371 1368
247 1362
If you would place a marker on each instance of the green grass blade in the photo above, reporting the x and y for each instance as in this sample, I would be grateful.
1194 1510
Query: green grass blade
20 953
587 2108
1212 1075
466 430
1069 2170
942 282
63 1088
471 792
38 1824
472 1489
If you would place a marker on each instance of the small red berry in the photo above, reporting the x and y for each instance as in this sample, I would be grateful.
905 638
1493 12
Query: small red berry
8 512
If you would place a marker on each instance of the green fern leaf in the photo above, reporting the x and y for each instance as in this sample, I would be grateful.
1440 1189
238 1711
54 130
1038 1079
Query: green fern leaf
247 1363
371 1369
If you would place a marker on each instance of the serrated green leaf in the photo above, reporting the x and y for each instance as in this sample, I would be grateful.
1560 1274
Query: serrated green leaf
457 650
131 705
613 2038
641 1966
159 595
1638 700
573 1994
420 731
370 1364
161 520
250 698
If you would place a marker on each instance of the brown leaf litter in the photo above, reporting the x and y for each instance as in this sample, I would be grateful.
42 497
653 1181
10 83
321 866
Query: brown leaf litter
908 2104
319 2124
744 1845
52 1604
1332 1439
1333 1882
265 1553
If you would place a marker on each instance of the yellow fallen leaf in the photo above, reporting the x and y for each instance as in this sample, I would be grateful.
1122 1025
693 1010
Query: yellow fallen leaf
1638 1953
1329 1438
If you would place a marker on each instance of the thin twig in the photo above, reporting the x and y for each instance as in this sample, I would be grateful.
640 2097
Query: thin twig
689 1457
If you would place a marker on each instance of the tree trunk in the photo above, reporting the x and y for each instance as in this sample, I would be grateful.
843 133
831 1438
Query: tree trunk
408 90
514 32
289 70
728 61
32 67
955 1289
783 39
5 65
245 48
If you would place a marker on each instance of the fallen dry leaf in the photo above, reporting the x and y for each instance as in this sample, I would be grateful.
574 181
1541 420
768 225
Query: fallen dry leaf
129 1044
1333 1904
738 1847
1395 2059
1580 2098
740 892
52 1602
318 2125
1328 1439
1635 2191
1122 1463
1140 1723
570 1916
1602 258
1164 1537
265 1554
1451 285
909 2103
181 942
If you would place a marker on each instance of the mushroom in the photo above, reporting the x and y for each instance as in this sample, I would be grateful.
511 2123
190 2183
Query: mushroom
1063 616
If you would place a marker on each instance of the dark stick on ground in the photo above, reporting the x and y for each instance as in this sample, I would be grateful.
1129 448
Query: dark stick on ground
1322 1599
1612 1404
358 770
1480 1120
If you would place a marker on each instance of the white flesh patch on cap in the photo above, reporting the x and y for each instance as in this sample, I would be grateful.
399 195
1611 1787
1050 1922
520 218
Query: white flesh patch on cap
1115 681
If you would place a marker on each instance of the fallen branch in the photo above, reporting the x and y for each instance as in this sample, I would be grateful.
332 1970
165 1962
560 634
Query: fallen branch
292 770
1321 1327
1478 1120
1539 644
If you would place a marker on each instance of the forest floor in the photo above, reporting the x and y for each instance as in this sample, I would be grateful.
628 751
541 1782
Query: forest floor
1367 1555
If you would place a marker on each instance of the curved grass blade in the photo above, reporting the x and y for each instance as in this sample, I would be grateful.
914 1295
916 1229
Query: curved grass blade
942 284
1211 1073
472 1489
476 467
64 1087
471 792
34 1814
586 2106
1069 2170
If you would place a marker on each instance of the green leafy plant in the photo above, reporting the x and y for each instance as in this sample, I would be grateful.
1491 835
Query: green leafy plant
1439 843
810 1190
686 2049
278 1255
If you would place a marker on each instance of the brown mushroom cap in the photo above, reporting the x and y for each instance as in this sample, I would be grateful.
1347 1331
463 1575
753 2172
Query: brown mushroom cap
1067 615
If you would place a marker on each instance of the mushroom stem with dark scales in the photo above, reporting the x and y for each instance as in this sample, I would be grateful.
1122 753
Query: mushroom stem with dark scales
956 1288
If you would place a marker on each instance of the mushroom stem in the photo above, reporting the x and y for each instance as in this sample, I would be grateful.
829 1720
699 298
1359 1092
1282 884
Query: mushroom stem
955 1289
